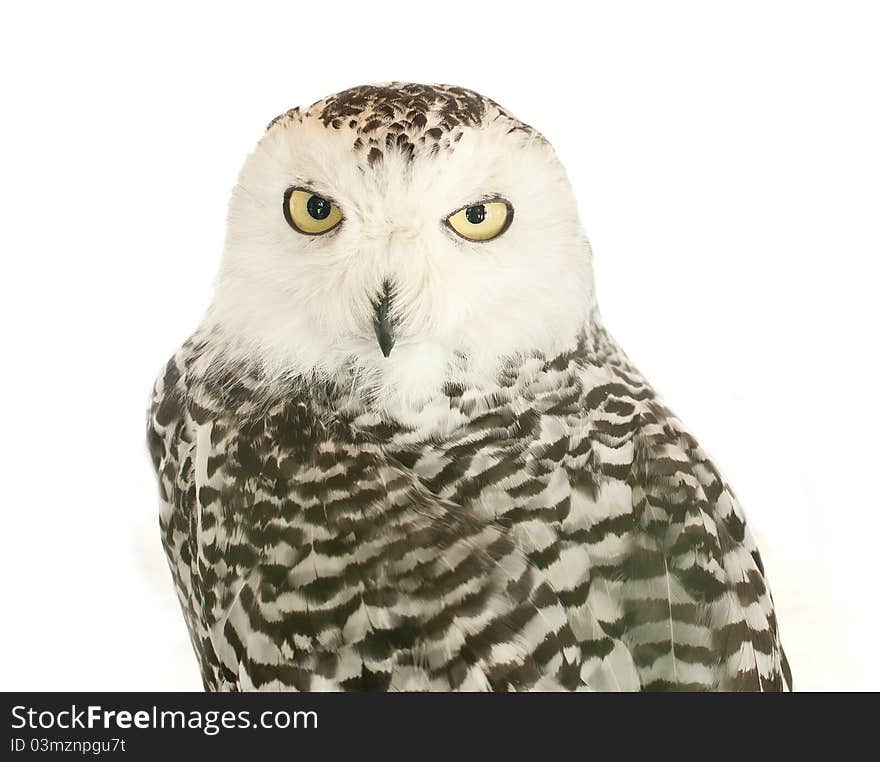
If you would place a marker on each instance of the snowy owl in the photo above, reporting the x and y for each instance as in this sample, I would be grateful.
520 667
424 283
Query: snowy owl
401 452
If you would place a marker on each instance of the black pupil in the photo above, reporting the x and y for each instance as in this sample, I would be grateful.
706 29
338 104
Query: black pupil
318 207
476 214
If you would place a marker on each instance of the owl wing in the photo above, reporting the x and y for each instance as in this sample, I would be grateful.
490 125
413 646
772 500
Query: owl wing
305 559
674 569
172 451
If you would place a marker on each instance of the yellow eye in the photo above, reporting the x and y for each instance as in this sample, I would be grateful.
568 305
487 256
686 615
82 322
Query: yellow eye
482 222
310 213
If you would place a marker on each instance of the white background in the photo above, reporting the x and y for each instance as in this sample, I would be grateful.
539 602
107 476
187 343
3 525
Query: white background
726 160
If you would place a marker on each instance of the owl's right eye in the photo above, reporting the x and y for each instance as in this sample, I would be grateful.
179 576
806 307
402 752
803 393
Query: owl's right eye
308 213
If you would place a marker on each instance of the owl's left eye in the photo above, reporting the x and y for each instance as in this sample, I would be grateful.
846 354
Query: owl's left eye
482 221
308 213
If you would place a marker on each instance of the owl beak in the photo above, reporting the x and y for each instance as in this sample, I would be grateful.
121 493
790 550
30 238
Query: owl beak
382 323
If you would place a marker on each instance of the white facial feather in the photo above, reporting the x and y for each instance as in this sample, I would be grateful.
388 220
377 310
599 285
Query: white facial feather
303 305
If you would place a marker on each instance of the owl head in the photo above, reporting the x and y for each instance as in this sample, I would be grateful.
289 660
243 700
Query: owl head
404 235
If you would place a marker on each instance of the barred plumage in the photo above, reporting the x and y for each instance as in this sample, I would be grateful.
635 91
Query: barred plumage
502 502
568 533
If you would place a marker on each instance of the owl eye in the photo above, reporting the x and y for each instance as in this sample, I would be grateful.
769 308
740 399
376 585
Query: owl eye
483 221
309 213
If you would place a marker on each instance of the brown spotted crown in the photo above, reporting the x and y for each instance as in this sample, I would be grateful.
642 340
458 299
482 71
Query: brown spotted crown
404 117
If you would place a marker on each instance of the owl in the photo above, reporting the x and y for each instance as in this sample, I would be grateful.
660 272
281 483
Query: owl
401 452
